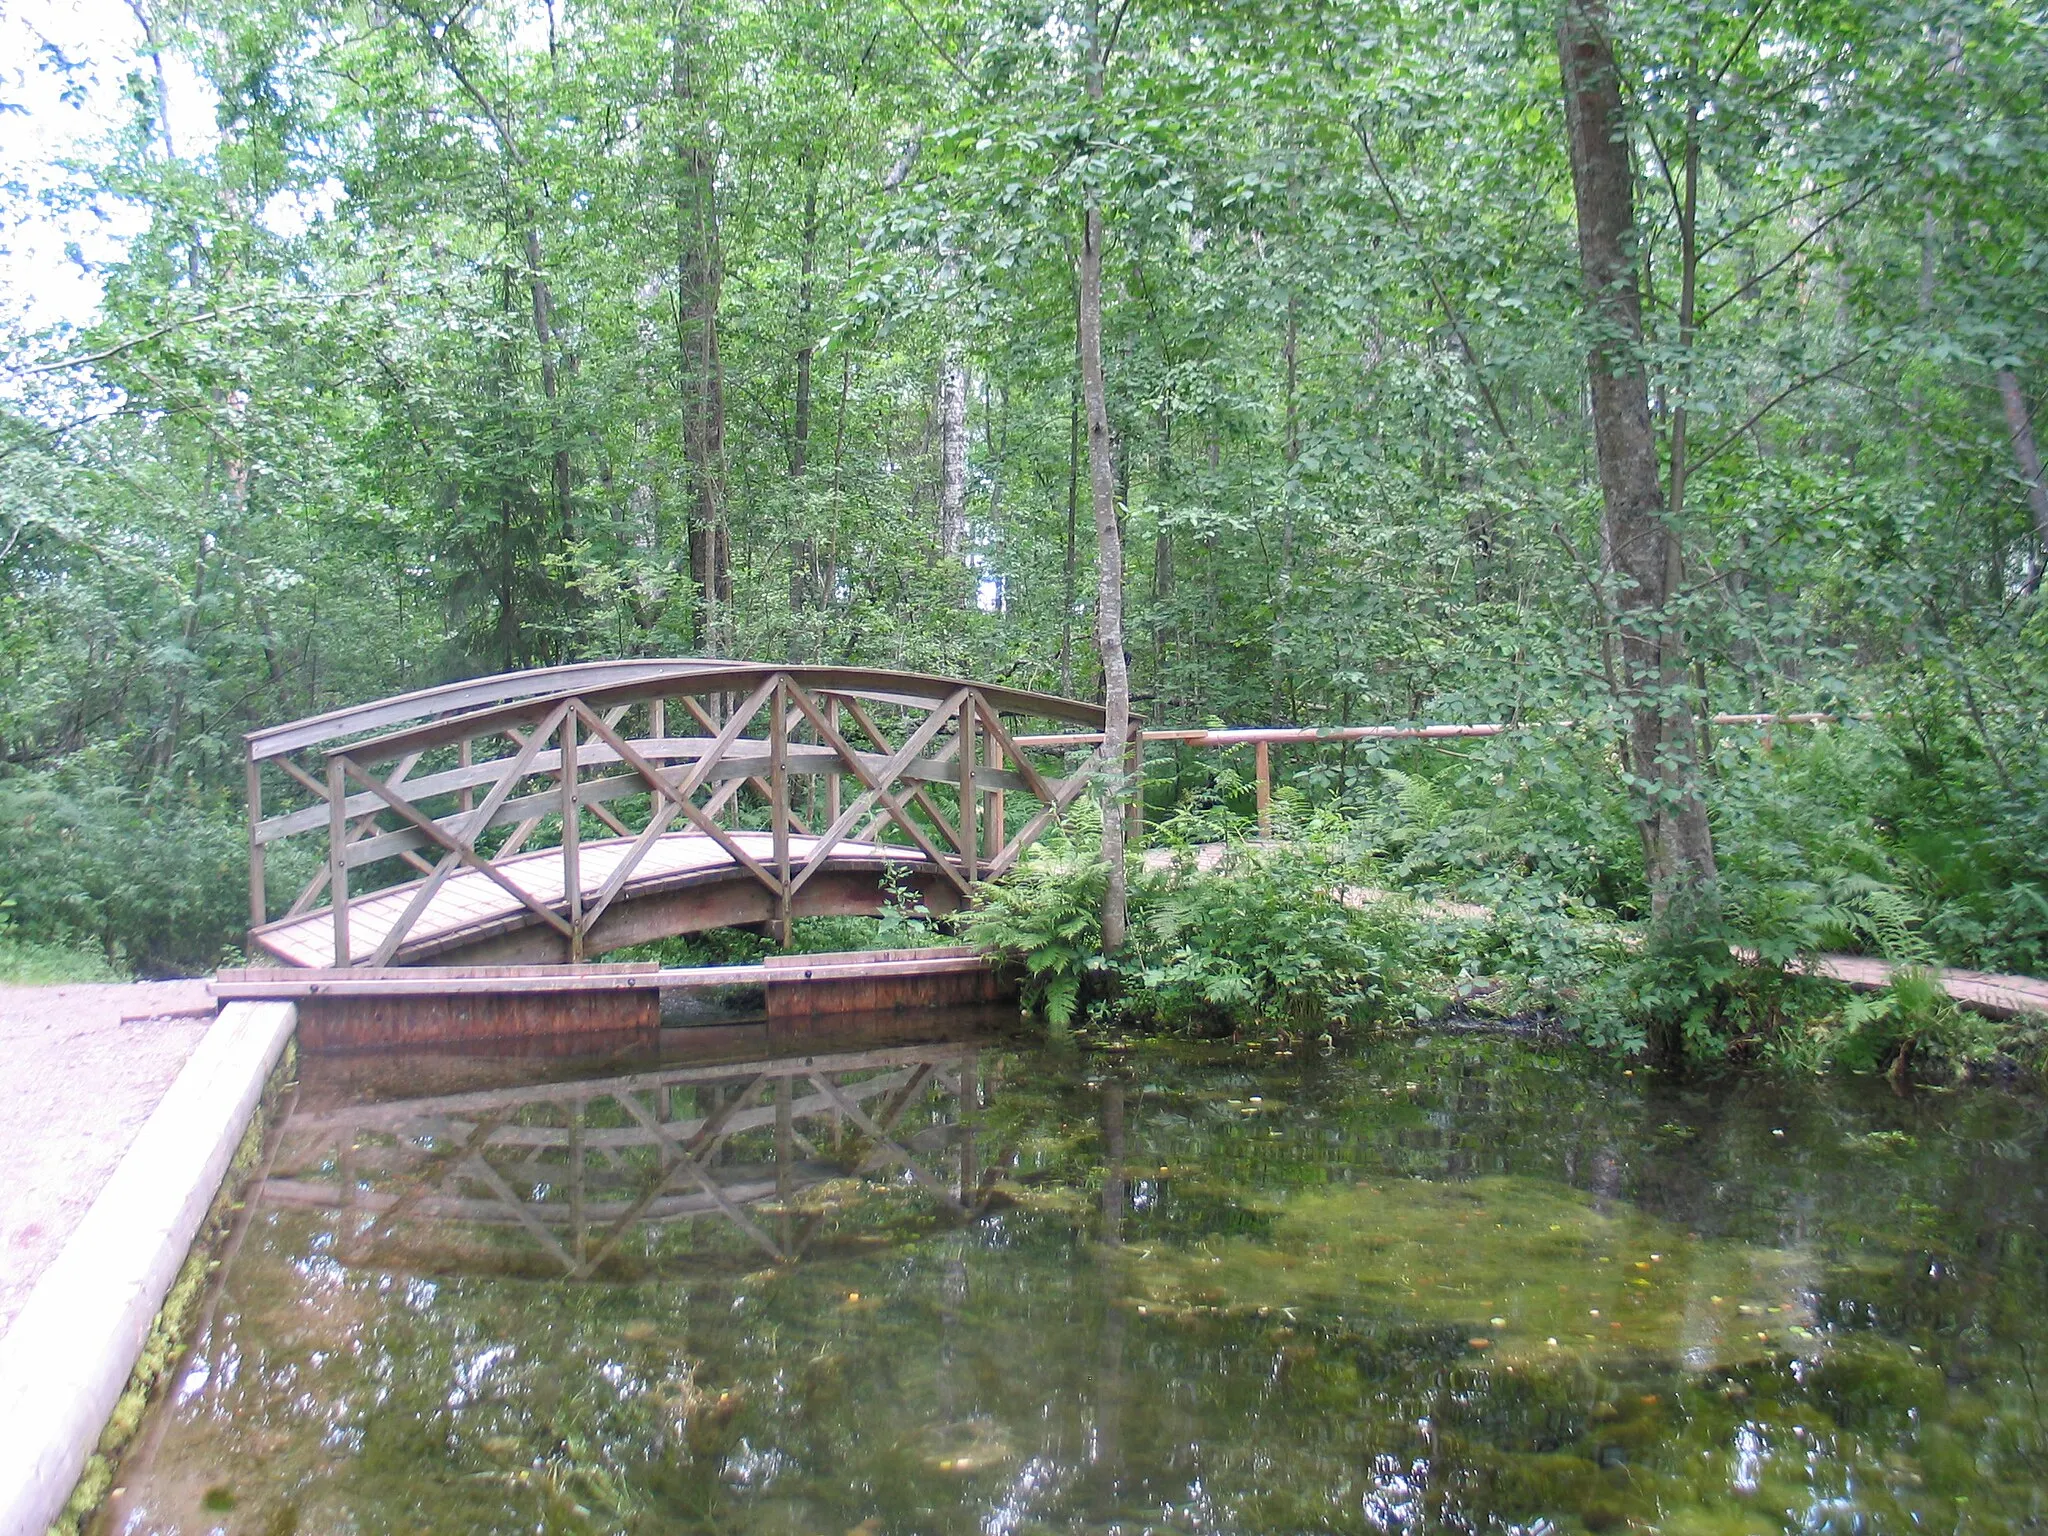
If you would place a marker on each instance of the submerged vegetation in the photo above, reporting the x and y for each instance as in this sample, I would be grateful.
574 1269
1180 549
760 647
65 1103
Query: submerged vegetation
1431 1284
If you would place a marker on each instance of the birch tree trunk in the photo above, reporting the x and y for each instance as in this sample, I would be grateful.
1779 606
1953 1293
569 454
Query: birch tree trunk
952 451
1109 546
1640 553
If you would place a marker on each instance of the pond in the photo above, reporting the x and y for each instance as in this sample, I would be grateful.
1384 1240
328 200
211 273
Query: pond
1449 1283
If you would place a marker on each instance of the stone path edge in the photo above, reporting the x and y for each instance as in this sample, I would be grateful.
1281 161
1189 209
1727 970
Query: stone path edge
73 1345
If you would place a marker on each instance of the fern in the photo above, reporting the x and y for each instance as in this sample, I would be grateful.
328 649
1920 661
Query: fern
1420 801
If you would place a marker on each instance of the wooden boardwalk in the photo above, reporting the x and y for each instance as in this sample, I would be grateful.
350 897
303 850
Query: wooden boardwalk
1999 996
470 907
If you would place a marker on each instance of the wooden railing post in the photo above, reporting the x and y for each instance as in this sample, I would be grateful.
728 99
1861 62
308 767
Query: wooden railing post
337 854
997 821
1134 794
1262 775
258 904
778 801
970 829
572 836
832 786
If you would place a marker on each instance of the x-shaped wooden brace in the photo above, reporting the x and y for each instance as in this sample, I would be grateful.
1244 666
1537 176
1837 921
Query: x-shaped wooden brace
879 1133
680 798
695 1153
876 785
460 845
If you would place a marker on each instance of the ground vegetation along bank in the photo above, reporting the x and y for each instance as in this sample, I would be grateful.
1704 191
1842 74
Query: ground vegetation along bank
1604 364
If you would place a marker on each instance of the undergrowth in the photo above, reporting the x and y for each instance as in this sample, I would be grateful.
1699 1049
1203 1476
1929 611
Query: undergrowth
1305 936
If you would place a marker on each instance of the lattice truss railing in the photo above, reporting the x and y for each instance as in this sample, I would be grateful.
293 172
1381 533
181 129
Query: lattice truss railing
821 760
583 1170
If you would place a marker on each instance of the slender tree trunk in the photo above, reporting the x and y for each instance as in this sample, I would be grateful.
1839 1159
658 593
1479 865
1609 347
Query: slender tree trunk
2020 423
952 451
1290 453
1109 544
803 550
1640 552
1069 590
1480 533
550 384
699 277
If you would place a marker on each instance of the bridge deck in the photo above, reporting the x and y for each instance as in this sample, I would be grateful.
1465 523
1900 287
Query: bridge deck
470 906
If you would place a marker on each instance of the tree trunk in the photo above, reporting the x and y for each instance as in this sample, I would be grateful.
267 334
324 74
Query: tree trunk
1070 570
1290 453
2020 423
803 550
700 273
952 451
550 384
1640 553
1109 544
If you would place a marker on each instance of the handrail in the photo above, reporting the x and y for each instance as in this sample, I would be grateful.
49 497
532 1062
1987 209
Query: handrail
1253 735
431 703
726 676
1263 738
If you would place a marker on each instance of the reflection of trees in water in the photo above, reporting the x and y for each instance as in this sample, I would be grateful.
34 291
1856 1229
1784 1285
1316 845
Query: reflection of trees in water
999 1373
770 1148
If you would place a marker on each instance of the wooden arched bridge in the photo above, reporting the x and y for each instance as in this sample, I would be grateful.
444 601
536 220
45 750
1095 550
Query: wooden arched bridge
555 814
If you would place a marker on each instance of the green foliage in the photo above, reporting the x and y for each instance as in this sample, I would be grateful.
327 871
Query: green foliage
1283 941
158 886
1274 942
1047 916
28 962
453 419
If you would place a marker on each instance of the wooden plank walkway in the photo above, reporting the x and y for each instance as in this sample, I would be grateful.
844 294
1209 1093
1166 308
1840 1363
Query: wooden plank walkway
471 906
1999 996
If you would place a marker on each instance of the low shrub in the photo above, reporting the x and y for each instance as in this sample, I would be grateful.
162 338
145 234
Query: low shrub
1269 942
157 885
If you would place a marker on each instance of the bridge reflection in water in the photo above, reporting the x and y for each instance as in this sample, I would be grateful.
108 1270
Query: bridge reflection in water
583 1177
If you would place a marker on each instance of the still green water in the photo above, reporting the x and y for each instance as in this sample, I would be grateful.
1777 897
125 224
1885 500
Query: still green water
1452 1284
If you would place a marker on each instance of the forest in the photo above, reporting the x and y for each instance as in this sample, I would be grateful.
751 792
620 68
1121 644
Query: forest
1593 367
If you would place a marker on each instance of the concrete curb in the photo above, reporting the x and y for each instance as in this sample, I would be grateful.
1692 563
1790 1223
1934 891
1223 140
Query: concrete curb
69 1353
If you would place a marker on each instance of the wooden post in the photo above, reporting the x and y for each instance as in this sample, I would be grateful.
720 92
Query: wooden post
778 800
572 836
576 1222
997 820
1263 775
337 855
467 798
1134 800
783 1141
258 906
970 825
832 784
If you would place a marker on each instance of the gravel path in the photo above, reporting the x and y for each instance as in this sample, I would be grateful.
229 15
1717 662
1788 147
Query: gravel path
81 1067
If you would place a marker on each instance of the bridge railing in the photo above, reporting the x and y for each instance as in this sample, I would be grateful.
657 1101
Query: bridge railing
1262 740
818 758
